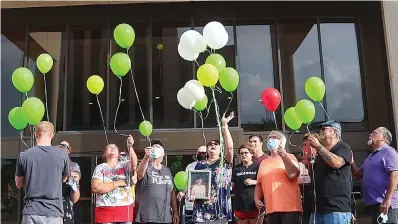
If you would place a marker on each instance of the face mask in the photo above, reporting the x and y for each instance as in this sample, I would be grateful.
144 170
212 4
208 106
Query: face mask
157 152
273 144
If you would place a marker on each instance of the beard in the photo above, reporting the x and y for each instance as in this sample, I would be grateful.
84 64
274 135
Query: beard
370 142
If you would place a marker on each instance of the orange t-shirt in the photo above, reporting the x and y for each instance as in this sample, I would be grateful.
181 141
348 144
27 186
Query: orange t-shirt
280 193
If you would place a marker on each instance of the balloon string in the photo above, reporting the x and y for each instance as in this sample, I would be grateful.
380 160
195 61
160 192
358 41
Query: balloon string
218 89
292 143
203 129
326 113
32 135
197 63
138 99
230 101
118 106
308 129
26 95
45 95
102 117
276 124
21 134
219 128
208 109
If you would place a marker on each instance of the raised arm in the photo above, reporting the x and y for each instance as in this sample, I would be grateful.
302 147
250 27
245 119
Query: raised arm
333 160
229 144
133 156
291 164
144 164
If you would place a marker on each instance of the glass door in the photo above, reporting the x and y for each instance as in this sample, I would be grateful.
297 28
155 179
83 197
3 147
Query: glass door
84 208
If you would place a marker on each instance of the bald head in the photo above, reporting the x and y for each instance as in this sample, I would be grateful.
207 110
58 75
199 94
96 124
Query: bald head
202 148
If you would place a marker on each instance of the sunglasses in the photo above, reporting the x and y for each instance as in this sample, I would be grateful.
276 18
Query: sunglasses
213 143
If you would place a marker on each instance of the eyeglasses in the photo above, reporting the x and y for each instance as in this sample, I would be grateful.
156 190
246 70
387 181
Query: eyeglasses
244 153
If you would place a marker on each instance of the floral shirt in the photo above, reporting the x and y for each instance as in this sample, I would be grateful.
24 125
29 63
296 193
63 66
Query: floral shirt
120 196
219 205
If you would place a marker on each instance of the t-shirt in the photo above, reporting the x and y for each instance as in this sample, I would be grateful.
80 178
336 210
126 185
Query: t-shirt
120 196
219 205
43 168
244 194
333 186
260 159
280 193
375 169
154 205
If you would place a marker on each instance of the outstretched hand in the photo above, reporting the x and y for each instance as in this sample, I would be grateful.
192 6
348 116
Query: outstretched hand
226 120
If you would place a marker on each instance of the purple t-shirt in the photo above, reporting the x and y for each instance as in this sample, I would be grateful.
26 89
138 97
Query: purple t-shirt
375 169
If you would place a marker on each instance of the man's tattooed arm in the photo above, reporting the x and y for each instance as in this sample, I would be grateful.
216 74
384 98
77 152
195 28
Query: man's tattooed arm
331 159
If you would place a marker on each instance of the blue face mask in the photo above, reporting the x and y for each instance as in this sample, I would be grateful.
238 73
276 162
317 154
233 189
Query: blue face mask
273 144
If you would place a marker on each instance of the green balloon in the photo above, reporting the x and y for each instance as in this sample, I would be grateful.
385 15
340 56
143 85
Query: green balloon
217 60
305 111
291 119
181 180
44 63
229 79
33 110
16 118
23 79
120 64
145 128
201 104
124 35
207 75
315 88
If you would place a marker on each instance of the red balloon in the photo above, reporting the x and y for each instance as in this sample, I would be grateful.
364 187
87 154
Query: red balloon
271 99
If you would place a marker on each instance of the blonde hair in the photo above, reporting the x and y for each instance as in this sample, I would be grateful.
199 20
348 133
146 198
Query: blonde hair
280 136
44 128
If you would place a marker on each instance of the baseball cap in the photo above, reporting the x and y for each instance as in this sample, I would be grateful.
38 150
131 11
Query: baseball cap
331 123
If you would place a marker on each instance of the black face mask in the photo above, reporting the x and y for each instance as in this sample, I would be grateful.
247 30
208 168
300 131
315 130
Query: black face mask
200 157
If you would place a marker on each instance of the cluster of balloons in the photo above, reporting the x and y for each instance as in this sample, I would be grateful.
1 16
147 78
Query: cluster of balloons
120 64
304 111
192 43
32 110
215 68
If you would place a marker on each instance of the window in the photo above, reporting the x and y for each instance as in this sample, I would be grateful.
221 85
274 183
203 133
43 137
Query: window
344 99
256 70
300 59
50 41
169 71
88 49
12 56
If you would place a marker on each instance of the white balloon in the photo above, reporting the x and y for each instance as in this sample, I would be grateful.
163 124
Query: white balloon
215 35
195 90
185 54
193 41
184 99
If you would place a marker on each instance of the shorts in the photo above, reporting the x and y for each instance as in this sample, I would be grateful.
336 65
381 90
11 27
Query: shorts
285 218
242 215
331 218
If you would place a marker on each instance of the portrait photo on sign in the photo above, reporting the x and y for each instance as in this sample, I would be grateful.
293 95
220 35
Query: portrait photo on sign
199 182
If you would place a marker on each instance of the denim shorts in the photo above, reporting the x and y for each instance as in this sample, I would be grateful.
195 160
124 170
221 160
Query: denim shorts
331 218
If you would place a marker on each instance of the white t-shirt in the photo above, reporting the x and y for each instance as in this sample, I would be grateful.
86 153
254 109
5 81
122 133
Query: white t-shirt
120 196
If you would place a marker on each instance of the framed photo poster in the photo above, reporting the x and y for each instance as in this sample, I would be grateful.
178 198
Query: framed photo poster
199 184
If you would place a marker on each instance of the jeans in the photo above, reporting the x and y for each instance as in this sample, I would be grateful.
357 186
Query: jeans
37 219
331 218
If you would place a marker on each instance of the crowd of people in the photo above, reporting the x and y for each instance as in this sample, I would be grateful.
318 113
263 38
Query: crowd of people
265 186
